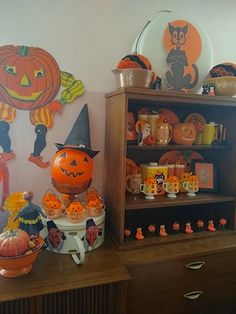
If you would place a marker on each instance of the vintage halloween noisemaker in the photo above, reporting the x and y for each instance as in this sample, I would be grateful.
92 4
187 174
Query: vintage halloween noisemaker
72 165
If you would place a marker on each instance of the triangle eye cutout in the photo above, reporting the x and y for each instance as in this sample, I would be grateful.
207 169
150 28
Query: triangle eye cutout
73 163
64 155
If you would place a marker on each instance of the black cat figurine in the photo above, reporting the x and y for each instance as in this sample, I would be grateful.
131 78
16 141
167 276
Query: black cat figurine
178 61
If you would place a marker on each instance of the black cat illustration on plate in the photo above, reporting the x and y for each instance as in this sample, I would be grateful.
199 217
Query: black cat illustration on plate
178 61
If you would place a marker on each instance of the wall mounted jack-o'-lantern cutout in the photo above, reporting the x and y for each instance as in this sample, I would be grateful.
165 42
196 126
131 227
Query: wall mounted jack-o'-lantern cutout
30 79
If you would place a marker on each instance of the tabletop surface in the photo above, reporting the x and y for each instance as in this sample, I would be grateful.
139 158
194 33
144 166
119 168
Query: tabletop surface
54 272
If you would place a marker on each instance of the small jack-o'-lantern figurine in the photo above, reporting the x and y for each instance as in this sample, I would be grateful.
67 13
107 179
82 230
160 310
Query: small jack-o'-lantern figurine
72 165
176 227
184 133
75 212
52 205
222 223
94 203
200 225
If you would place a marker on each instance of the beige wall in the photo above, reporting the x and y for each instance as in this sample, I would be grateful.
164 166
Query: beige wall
87 38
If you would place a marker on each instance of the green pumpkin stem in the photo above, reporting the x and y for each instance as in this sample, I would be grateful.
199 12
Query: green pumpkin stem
23 50
11 233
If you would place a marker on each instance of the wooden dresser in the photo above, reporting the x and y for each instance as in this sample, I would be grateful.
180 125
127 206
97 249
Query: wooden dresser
56 285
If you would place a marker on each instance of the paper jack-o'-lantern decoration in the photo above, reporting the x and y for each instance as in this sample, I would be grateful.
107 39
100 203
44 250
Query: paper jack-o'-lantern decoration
72 165
30 79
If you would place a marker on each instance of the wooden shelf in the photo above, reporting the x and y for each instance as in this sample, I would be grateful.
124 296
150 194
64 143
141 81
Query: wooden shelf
168 97
177 147
157 240
134 202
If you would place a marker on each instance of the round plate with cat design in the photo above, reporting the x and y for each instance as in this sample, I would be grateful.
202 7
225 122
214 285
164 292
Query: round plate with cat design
178 49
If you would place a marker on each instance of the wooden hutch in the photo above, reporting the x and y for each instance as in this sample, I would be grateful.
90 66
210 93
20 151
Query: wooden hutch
179 273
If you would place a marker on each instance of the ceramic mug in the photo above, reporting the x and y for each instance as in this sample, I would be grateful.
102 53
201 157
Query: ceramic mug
163 133
209 133
172 188
191 187
149 188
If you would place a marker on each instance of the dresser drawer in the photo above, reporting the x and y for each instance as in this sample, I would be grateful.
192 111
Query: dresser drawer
166 283
217 299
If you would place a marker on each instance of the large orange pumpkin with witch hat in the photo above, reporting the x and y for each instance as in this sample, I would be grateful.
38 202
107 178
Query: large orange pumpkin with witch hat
72 165
71 171
30 77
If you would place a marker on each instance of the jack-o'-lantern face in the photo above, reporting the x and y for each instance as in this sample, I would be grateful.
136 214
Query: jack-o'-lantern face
30 77
184 133
71 169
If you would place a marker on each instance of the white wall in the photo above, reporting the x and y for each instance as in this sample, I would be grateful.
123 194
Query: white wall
88 38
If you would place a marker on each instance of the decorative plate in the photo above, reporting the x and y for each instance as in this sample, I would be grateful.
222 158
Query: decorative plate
182 65
177 156
168 116
130 164
223 69
197 119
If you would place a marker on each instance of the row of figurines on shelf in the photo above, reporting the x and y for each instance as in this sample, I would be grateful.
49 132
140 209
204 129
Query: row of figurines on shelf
157 180
153 128
74 209
175 228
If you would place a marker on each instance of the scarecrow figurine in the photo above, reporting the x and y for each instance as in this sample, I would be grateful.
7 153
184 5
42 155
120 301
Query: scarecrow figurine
72 165
29 216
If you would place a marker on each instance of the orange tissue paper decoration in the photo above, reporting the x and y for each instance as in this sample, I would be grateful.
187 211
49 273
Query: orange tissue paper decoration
137 61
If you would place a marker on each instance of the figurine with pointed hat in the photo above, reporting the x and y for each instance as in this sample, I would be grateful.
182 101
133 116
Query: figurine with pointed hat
72 165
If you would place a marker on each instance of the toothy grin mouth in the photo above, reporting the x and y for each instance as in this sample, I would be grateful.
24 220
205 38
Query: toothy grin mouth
71 174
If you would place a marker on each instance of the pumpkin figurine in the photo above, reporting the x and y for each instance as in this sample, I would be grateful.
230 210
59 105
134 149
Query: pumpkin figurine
72 165
52 205
94 203
18 251
75 212
184 133
30 80
14 243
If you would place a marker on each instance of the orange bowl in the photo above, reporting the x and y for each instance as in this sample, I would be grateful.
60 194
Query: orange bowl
19 265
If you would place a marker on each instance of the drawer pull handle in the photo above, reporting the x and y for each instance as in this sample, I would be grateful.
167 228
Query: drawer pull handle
195 265
193 295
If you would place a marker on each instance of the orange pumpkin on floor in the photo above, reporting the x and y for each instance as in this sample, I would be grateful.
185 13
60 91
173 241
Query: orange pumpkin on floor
71 171
184 133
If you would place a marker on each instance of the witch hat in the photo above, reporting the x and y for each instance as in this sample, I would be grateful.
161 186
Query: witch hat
79 137
90 223
51 225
